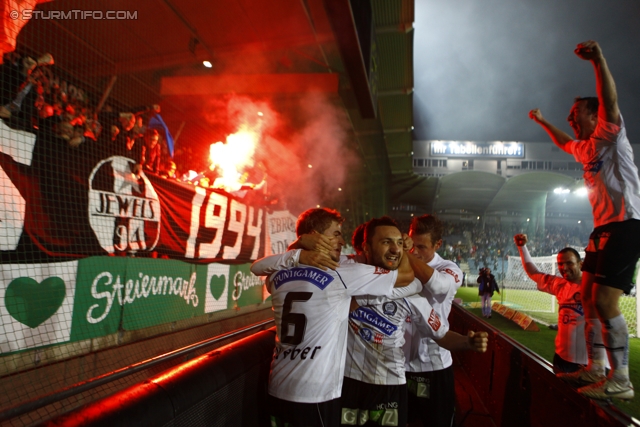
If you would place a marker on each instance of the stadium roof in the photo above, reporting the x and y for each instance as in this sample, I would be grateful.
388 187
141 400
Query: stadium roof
300 41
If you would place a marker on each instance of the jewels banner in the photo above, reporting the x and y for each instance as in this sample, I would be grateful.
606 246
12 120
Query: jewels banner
57 201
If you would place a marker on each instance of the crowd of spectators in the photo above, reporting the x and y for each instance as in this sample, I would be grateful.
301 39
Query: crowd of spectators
491 245
31 100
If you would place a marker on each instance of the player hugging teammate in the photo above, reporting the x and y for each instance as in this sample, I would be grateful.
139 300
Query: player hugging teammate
341 322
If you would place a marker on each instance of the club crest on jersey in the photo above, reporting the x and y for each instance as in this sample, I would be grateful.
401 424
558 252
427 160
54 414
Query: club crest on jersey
389 308
434 320
370 317
380 270
311 275
366 334
452 273
577 297
593 166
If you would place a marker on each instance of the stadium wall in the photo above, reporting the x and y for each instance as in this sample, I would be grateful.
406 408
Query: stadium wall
227 387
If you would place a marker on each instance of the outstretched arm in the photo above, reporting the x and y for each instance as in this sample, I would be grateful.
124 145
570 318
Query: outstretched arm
476 341
544 282
605 85
405 272
421 269
272 263
527 263
559 137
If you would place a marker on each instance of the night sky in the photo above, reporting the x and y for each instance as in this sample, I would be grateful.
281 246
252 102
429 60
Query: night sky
480 66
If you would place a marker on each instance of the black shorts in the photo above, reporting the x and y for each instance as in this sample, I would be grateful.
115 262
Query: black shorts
295 414
384 405
432 397
612 254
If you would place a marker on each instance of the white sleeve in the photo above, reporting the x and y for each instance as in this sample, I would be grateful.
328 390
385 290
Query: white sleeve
364 279
544 282
426 319
397 293
443 282
272 263
526 259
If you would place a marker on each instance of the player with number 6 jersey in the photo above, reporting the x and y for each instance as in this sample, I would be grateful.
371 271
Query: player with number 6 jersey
311 309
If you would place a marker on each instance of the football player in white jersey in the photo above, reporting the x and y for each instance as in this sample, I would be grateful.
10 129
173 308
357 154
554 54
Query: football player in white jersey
374 390
611 177
311 309
571 350
428 366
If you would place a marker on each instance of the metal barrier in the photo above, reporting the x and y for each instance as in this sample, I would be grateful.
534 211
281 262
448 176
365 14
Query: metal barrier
226 387
518 387
117 374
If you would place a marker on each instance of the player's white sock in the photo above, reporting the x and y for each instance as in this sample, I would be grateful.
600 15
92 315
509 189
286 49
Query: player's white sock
595 346
616 339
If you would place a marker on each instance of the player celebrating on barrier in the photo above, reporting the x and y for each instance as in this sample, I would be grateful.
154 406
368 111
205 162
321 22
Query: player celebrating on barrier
571 351
611 177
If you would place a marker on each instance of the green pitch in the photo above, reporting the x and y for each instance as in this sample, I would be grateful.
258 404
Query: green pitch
542 343
545 310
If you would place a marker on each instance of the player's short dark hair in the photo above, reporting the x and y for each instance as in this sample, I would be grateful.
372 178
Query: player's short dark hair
317 219
357 240
591 105
571 251
427 224
371 225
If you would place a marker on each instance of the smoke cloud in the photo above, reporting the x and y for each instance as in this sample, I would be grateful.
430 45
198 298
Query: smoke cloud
302 146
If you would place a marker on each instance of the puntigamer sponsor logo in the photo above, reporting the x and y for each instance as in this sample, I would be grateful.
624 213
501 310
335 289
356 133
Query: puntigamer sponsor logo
372 318
311 275
108 290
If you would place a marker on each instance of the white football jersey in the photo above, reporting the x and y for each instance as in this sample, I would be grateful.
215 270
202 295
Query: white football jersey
422 354
570 342
376 335
311 309
610 173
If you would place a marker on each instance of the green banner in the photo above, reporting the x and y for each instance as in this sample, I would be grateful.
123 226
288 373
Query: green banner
47 304
246 288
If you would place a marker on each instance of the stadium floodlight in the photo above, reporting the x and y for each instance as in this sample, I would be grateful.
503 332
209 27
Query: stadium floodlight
561 190
582 191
